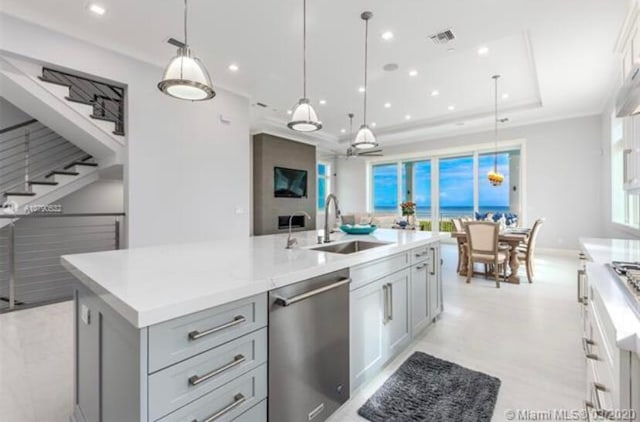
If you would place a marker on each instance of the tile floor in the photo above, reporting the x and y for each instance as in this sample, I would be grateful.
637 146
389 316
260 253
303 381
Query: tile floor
527 335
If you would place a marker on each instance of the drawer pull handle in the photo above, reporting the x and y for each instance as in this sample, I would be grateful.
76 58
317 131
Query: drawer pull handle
284 301
588 406
195 335
385 298
421 267
196 379
433 259
238 399
586 346
421 254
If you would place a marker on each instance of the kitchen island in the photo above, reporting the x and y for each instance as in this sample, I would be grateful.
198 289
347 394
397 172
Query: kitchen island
611 328
180 332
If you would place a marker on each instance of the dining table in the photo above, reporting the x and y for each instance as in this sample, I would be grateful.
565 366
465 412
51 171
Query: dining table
511 237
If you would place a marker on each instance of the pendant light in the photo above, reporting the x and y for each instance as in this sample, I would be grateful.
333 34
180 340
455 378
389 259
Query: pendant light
365 139
495 178
185 77
304 117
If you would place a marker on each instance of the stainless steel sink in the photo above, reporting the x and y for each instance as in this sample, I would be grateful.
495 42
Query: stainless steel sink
349 247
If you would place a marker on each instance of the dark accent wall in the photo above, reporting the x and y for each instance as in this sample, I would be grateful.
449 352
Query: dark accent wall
271 151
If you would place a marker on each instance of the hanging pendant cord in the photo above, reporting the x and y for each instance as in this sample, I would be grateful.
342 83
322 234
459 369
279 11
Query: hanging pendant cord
366 60
304 49
495 155
186 7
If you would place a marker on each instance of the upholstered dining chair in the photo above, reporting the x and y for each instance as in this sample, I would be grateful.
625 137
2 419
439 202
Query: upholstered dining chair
482 238
526 251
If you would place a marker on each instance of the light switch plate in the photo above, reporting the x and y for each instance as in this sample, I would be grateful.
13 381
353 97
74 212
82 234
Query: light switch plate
85 314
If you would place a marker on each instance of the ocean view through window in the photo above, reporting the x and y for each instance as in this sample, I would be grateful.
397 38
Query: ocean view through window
456 186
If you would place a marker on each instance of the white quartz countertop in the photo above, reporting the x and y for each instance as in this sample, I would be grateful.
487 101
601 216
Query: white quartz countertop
601 252
155 284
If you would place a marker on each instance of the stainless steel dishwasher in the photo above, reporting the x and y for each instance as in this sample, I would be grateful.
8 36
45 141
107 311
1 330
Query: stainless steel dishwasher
309 348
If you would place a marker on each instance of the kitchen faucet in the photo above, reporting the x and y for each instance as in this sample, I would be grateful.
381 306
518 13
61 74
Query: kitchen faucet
292 240
327 232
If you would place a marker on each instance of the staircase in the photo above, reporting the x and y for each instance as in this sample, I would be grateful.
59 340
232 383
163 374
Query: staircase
87 112
38 167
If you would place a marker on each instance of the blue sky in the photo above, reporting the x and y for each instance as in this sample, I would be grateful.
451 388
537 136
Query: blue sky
456 183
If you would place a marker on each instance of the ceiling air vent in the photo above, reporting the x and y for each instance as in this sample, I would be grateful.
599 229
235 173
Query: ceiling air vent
443 37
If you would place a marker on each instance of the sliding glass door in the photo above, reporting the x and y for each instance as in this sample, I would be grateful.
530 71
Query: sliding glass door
416 186
385 188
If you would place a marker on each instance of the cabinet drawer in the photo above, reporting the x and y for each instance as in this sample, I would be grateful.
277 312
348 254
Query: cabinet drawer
181 338
257 413
184 382
420 254
227 402
366 273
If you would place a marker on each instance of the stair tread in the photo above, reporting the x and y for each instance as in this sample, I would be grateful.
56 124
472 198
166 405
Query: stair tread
80 163
75 100
20 193
65 173
52 81
43 182
106 119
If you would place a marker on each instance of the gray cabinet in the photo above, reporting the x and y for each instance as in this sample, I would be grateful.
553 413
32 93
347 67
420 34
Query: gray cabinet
210 363
366 329
397 329
435 283
420 313
391 300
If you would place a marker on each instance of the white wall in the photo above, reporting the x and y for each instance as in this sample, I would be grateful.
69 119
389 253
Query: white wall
187 173
563 176
11 115
102 196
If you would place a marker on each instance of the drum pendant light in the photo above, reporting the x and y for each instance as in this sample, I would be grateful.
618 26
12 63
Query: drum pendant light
304 117
185 77
495 177
365 139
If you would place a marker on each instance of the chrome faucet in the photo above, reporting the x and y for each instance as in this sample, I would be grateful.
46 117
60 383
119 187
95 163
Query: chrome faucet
292 240
327 232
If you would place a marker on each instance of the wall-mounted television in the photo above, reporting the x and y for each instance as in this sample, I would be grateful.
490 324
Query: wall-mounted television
289 183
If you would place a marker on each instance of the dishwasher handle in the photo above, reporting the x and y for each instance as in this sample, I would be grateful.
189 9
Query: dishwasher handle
284 301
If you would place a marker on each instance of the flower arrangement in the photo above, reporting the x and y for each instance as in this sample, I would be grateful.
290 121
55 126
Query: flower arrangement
408 208
495 178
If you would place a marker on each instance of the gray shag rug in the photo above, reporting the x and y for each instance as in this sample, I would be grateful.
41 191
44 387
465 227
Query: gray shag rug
426 388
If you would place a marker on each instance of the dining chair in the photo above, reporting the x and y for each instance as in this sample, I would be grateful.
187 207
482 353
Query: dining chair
462 244
482 238
526 251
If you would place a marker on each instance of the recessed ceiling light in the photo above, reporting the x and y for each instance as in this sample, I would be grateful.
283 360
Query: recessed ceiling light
323 102
387 35
97 9
435 93
505 96
289 112
483 51
343 130
451 108
407 117
361 89
387 105
413 73
233 67
373 124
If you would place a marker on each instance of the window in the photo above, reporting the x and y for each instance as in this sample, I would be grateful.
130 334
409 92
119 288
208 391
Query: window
625 207
416 186
446 186
496 198
324 184
456 187
385 188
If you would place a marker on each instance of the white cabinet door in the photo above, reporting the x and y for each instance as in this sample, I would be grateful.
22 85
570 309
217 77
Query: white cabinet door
435 283
367 331
420 317
397 331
